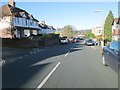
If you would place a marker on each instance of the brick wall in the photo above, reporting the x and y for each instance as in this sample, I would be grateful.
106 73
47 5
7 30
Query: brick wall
27 43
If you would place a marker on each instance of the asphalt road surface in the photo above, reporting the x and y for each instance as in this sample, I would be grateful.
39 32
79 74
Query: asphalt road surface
62 66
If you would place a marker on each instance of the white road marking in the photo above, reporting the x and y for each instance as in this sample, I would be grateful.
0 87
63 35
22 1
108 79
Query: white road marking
48 76
66 54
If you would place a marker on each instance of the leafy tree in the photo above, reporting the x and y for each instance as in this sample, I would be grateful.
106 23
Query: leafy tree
90 35
108 26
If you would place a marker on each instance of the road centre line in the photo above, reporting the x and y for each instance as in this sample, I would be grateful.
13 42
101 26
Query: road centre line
66 54
48 76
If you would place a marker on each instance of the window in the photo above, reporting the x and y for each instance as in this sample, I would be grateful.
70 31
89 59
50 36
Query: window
18 20
116 26
26 21
23 21
36 23
15 19
33 22
115 45
99 31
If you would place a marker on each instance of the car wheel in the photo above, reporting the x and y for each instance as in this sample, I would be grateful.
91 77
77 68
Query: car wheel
104 61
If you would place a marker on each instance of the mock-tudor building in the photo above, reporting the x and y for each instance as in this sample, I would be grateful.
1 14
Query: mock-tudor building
45 29
15 22
116 29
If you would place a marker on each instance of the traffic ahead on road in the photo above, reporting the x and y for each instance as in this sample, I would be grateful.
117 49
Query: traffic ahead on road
71 65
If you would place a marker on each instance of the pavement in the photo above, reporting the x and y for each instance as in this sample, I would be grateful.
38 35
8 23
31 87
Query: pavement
98 48
10 55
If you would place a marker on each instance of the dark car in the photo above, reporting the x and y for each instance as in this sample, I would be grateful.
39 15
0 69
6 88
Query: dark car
111 55
89 42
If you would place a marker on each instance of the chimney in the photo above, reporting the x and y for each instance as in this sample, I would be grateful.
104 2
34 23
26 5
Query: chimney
12 3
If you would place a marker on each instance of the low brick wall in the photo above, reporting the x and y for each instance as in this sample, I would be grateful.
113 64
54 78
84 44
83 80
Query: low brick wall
48 42
27 43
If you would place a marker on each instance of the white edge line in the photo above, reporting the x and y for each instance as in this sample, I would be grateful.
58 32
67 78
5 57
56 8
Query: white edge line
47 77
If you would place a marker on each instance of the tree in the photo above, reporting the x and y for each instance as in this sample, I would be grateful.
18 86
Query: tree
108 26
90 35
67 31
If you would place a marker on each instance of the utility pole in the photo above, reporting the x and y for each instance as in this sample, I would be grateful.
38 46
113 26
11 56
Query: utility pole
103 35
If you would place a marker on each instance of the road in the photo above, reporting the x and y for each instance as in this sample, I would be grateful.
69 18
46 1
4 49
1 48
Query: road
61 66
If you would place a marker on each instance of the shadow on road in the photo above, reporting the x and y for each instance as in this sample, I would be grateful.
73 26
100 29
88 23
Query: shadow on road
21 71
15 76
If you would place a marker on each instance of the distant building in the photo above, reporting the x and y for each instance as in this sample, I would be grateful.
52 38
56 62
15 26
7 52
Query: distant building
116 29
15 22
45 29
84 32
97 31
81 36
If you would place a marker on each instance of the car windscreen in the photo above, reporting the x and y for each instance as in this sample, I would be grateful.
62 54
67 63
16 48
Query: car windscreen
90 40
63 38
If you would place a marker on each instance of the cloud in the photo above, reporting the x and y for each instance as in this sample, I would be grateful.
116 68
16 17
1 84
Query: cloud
96 10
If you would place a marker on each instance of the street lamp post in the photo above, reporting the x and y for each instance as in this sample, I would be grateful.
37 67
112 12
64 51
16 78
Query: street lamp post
103 35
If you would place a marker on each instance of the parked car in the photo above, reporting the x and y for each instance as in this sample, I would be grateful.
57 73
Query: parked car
82 40
111 55
74 40
96 42
78 40
89 42
64 40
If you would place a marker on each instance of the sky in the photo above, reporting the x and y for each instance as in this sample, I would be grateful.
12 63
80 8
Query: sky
81 15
